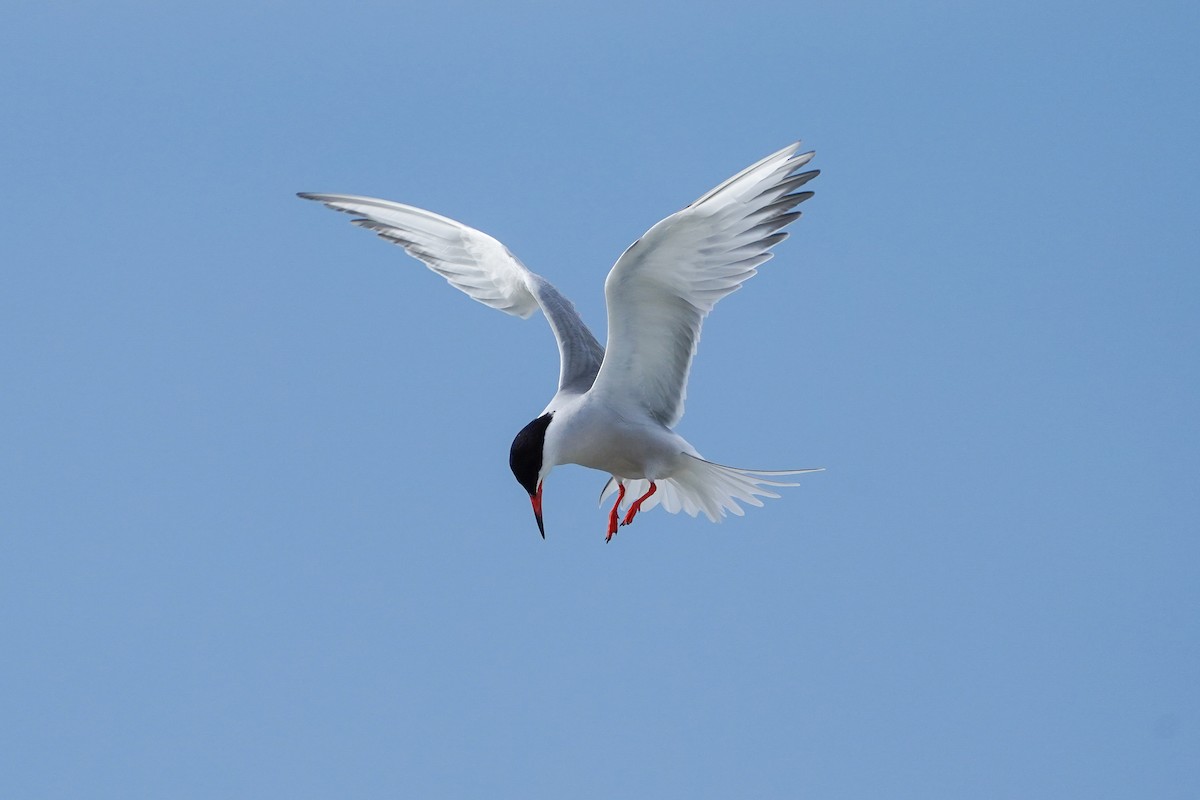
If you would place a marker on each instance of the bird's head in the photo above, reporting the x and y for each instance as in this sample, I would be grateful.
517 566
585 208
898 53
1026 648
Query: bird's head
526 461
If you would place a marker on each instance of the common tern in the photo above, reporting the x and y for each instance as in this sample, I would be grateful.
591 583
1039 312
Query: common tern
616 406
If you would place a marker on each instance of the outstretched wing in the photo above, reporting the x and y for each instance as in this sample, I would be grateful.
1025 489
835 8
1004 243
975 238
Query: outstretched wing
485 270
664 285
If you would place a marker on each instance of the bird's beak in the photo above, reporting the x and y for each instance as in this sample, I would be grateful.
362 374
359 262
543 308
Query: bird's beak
536 499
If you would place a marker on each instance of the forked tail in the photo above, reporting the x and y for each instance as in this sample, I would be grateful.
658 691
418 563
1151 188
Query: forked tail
702 486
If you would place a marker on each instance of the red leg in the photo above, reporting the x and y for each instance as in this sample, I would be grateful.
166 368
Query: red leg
637 504
612 518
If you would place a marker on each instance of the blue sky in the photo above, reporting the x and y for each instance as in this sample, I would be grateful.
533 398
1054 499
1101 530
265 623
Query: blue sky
259 534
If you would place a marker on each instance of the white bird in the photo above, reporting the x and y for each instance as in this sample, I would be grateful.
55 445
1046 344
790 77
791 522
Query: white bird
616 406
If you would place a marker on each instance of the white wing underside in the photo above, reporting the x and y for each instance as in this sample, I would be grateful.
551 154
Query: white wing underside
662 287
485 270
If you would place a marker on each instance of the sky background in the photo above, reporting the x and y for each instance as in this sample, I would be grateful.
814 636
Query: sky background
258 535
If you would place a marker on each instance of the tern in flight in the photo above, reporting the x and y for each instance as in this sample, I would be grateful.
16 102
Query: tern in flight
616 405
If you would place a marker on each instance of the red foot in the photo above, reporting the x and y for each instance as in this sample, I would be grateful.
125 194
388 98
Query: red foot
637 504
612 517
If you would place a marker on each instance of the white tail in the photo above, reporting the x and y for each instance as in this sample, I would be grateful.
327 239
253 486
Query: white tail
704 486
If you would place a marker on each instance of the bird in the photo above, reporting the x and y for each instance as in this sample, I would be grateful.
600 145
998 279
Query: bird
617 405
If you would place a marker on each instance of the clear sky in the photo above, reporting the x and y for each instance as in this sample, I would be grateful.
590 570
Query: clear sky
258 535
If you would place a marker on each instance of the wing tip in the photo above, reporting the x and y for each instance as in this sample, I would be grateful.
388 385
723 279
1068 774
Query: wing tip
792 152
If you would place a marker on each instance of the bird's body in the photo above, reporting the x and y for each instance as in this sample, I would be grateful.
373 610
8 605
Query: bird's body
593 433
616 407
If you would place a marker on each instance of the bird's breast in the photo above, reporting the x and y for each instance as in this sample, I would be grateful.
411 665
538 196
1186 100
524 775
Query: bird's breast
595 436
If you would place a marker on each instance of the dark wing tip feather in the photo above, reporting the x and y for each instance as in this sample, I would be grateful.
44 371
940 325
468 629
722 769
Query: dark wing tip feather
776 222
782 206
794 182
768 242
